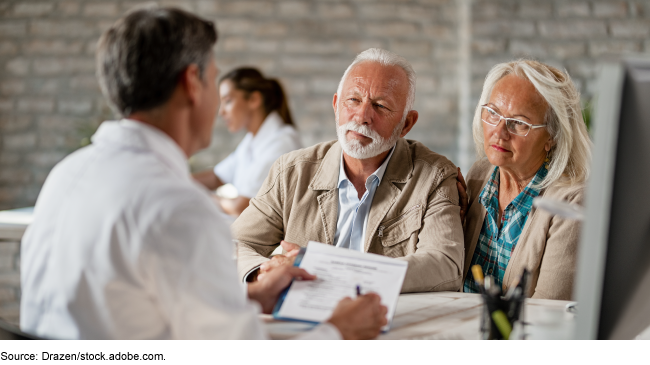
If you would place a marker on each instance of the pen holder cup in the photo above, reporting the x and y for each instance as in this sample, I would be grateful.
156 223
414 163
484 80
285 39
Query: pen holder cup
513 310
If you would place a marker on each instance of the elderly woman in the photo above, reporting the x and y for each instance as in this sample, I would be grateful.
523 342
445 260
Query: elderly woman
531 141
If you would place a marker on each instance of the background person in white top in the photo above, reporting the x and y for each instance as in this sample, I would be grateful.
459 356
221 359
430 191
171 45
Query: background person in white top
251 101
124 243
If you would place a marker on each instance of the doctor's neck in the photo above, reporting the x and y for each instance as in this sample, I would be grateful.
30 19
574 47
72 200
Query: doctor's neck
175 123
257 118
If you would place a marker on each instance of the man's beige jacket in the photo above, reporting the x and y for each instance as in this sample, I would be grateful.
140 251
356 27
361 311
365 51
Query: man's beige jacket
414 214
547 245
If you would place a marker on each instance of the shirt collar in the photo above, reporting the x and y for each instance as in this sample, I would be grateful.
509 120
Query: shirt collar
132 134
379 173
270 125
523 201
491 189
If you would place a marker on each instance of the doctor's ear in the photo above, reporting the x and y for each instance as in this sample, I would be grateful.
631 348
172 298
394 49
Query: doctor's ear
190 80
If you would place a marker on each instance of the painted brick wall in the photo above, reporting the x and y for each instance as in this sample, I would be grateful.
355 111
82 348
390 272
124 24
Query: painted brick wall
573 35
49 99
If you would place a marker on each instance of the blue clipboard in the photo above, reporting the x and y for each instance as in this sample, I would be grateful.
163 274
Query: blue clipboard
283 295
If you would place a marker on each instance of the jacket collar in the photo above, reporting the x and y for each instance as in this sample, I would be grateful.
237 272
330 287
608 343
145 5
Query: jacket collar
327 176
400 167
398 170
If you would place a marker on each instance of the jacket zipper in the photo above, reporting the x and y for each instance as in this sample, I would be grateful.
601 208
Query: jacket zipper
380 230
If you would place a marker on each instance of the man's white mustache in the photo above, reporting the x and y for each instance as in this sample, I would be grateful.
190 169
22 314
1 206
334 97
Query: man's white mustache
361 129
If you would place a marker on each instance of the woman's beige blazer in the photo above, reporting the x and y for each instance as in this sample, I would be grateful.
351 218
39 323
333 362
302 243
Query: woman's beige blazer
547 245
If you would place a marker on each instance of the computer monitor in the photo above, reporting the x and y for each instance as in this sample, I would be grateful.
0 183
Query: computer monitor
613 278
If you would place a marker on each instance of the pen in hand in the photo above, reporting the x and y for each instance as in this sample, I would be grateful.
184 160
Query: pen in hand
358 290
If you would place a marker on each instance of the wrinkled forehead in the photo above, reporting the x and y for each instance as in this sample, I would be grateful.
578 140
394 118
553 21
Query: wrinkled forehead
377 80
515 92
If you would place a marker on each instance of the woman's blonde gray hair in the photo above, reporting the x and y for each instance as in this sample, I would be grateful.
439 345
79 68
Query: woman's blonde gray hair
570 155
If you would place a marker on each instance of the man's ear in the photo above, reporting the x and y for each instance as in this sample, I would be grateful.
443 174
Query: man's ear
334 100
411 119
191 82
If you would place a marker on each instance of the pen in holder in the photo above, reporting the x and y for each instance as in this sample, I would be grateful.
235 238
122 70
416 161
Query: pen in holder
501 313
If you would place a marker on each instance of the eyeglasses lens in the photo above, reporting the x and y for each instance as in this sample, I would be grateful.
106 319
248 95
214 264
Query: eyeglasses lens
490 116
514 126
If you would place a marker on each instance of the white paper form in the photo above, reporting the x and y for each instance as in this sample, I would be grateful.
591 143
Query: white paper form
339 271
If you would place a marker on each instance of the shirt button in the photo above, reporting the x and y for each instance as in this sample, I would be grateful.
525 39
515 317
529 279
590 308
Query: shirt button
490 271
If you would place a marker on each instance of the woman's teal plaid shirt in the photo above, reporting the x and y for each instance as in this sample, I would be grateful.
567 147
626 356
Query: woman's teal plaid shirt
495 245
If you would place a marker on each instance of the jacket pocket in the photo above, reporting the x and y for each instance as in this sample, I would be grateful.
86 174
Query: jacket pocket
400 228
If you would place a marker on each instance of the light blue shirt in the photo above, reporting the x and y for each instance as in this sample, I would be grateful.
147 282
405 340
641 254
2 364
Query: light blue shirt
353 212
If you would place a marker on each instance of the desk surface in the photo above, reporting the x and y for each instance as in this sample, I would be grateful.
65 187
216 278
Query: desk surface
444 315
14 222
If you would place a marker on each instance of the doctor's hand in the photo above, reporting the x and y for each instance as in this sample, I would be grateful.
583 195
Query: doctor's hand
266 290
278 260
361 318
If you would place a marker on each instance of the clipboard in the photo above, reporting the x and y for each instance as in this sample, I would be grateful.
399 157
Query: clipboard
338 268
283 295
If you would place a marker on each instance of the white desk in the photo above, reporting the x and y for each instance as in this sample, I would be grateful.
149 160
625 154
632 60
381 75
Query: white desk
12 226
13 223
450 315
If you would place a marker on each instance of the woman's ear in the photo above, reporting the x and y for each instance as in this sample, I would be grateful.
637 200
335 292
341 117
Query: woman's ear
255 100
549 144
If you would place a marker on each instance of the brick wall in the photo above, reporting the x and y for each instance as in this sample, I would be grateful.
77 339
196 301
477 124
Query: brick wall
50 101
575 35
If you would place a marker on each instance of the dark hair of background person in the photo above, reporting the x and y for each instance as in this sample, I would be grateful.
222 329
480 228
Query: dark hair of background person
142 55
249 80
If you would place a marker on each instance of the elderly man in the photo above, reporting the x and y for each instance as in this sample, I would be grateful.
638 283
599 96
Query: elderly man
370 191
124 244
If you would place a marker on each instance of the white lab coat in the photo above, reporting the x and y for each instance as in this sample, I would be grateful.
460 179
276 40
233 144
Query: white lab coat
247 167
125 245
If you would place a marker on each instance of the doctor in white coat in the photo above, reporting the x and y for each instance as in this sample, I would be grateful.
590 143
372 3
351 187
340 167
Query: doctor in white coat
124 243
251 101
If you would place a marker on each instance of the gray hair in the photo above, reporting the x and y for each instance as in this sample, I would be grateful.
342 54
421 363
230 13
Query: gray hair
140 57
385 58
570 154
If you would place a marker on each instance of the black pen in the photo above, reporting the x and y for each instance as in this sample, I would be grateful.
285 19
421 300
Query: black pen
358 290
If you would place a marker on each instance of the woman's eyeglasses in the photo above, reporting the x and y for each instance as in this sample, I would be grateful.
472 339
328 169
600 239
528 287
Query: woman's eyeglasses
514 126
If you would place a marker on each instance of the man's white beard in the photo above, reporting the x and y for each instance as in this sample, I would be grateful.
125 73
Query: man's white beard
355 149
